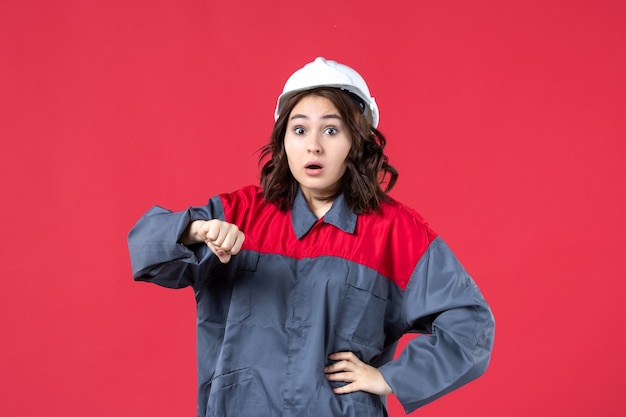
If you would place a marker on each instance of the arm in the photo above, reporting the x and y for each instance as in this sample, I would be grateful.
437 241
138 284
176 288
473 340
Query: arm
166 248
443 301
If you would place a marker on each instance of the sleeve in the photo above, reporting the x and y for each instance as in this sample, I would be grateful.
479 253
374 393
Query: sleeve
156 254
442 301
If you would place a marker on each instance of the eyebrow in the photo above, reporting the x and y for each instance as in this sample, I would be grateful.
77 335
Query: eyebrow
325 117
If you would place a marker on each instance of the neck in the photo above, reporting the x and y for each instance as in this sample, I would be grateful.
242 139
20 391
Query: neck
319 204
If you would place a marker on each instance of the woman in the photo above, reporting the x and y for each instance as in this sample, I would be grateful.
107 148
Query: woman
305 284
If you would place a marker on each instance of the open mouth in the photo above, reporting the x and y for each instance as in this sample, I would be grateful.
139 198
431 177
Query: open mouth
313 165
313 168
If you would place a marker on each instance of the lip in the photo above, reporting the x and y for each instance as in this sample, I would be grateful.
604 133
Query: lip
313 168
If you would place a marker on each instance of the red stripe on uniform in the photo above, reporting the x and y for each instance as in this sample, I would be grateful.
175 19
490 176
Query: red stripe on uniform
390 242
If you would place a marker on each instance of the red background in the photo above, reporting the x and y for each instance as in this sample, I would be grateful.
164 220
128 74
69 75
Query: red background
505 120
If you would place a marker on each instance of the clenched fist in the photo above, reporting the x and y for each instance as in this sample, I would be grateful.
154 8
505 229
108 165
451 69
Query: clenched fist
224 239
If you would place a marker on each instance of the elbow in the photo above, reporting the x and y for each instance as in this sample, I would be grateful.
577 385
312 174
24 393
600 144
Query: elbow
485 336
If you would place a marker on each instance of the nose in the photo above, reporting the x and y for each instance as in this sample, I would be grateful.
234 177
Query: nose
314 146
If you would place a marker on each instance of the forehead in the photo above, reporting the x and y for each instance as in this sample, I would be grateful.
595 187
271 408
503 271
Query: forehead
314 105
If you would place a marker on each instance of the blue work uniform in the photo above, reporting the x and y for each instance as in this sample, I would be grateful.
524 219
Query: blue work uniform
302 288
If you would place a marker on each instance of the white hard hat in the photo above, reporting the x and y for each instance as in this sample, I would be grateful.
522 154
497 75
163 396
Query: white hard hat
327 73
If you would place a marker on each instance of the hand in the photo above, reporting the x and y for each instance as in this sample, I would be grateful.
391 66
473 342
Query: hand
224 239
360 376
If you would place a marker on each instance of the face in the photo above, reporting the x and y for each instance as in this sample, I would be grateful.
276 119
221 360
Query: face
317 144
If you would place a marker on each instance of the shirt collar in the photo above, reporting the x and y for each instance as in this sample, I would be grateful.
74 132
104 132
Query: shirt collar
339 215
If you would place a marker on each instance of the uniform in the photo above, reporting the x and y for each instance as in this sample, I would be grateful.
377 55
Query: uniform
302 288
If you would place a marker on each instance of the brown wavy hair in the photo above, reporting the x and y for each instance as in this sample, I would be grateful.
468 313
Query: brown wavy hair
367 167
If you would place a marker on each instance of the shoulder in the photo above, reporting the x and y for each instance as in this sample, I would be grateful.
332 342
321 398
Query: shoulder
245 202
402 218
249 192
402 237
245 198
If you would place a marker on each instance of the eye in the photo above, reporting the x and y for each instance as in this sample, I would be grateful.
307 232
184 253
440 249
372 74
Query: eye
331 131
299 130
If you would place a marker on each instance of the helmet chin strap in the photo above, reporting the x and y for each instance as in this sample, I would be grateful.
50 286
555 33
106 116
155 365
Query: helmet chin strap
356 99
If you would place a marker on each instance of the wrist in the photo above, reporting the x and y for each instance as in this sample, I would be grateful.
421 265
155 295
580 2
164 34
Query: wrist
190 236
